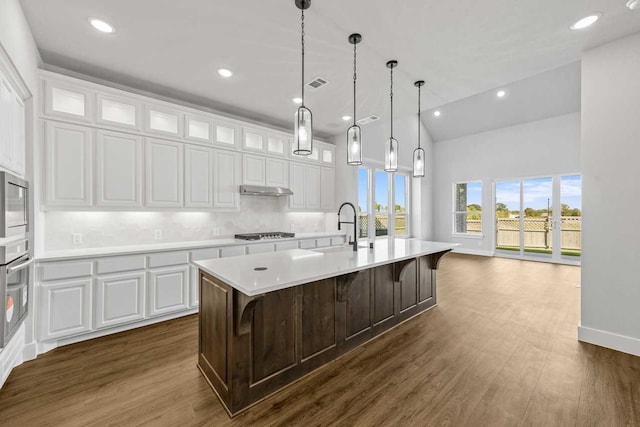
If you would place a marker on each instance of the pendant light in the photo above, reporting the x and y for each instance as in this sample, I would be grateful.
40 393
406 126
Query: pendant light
418 153
303 121
354 133
391 147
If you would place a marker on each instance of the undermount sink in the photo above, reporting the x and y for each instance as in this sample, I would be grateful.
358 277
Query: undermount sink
341 248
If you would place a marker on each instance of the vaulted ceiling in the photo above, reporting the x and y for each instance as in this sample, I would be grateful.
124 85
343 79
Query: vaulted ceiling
461 48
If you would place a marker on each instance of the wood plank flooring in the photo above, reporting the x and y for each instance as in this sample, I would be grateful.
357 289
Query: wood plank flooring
499 350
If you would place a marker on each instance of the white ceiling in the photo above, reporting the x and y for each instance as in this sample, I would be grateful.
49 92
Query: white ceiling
461 48
544 95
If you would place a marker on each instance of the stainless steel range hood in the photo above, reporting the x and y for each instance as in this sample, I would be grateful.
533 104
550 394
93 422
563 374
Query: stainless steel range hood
257 190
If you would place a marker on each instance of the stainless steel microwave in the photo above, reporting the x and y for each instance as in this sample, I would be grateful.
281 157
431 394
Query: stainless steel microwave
14 208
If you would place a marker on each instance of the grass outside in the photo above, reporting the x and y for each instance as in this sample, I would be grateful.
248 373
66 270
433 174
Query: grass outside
566 252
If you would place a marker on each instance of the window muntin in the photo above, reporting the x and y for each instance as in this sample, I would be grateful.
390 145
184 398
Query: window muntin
467 215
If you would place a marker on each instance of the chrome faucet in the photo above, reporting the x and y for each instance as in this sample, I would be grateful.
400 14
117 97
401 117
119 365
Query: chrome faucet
355 222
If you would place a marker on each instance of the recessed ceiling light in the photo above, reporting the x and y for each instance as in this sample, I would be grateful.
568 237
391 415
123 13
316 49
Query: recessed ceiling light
346 118
633 4
297 100
225 73
436 113
501 94
102 26
586 21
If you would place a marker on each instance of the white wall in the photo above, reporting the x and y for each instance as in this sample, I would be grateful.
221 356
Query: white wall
611 182
374 136
550 146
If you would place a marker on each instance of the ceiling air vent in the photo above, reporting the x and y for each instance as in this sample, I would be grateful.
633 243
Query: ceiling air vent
317 83
368 119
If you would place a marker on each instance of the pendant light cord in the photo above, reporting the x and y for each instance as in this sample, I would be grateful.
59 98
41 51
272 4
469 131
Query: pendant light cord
419 90
391 96
302 26
354 84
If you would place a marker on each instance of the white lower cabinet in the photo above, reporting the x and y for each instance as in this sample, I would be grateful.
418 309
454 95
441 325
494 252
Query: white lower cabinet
119 299
168 290
65 309
195 287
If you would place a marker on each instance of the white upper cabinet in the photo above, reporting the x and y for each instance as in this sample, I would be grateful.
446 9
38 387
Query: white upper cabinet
118 111
164 173
67 101
68 168
253 140
328 154
328 189
7 123
296 179
277 145
118 169
312 187
163 121
226 135
253 169
19 136
198 129
277 173
198 177
226 179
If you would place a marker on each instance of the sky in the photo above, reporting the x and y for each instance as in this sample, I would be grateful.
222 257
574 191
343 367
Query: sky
537 191
381 186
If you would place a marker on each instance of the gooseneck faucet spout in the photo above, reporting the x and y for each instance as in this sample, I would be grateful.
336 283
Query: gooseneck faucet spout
355 222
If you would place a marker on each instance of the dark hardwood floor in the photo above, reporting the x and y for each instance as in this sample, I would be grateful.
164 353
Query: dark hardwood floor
499 350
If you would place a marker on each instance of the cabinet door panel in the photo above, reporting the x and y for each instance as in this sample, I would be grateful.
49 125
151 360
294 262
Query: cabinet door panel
65 309
277 173
163 170
194 292
198 177
358 304
328 188
226 179
67 101
168 290
318 317
119 169
408 285
68 164
312 187
296 179
253 170
117 111
119 299
383 293
7 119
425 277
19 136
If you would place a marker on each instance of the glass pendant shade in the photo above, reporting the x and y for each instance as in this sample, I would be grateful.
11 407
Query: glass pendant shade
418 163
303 137
354 145
391 155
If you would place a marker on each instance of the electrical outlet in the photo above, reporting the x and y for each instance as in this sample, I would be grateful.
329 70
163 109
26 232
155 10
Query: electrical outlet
77 238
216 231
157 234
292 228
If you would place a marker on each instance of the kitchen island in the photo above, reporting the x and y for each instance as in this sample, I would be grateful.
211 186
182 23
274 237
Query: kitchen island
268 319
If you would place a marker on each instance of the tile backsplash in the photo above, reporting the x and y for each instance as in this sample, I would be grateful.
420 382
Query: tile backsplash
105 228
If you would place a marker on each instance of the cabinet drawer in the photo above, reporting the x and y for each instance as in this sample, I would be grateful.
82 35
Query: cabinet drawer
121 263
201 254
260 248
65 270
232 251
307 244
323 243
284 246
168 258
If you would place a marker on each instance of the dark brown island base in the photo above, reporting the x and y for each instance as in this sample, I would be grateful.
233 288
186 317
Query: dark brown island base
252 346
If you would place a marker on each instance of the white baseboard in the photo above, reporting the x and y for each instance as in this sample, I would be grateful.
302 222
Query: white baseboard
467 251
609 340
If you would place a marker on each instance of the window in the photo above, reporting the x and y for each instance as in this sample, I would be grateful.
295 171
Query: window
467 214
383 203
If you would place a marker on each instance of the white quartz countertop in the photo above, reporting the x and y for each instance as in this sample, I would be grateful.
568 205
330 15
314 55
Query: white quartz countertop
170 246
295 267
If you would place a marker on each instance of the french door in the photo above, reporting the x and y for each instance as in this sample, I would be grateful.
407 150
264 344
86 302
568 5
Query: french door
539 218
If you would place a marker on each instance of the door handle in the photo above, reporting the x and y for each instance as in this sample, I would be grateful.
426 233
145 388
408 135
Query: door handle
19 266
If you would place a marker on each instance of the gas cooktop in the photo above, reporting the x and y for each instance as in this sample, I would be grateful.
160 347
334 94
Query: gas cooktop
264 236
